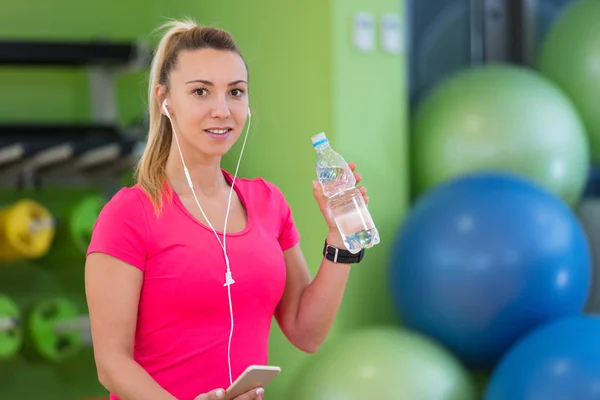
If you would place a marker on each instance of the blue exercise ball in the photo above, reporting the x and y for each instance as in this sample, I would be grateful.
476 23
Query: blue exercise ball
558 361
482 259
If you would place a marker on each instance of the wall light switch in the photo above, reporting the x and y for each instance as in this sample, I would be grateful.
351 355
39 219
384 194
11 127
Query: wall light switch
392 33
364 31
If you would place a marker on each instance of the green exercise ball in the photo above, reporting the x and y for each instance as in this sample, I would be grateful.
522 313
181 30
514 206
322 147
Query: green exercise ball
503 118
570 56
383 363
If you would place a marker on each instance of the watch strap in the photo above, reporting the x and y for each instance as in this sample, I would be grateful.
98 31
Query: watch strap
342 256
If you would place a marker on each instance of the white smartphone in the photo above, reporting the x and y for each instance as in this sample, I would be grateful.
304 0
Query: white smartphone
253 377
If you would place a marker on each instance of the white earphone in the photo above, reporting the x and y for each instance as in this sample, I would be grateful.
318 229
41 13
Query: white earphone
228 277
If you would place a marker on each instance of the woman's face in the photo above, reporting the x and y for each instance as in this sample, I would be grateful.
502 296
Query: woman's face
208 101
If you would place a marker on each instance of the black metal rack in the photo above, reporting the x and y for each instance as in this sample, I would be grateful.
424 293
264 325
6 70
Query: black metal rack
31 153
45 53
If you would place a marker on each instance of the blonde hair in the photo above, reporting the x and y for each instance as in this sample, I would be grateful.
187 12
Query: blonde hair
180 35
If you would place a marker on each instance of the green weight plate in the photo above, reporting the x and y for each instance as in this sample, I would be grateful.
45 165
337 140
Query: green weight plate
49 343
10 338
82 220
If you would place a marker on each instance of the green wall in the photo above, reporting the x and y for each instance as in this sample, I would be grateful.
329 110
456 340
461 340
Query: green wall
305 78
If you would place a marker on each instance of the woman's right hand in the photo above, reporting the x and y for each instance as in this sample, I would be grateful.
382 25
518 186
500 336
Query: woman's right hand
218 394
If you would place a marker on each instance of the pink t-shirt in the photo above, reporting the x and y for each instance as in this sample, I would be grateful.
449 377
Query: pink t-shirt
183 320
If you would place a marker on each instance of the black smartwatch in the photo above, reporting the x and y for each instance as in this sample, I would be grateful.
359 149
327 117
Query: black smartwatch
342 256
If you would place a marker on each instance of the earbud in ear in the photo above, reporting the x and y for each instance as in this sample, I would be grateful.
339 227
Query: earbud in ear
164 106
249 112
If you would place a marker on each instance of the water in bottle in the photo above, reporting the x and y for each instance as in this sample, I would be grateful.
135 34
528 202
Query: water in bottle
346 203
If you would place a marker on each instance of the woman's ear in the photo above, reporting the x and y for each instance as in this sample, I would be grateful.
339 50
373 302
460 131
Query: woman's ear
160 94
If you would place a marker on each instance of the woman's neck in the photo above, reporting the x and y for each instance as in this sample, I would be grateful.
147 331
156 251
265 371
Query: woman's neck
206 175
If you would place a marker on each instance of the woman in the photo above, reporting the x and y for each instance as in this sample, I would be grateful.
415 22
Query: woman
167 322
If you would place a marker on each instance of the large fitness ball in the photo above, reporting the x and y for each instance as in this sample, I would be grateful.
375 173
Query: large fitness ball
383 363
482 259
558 361
503 118
570 56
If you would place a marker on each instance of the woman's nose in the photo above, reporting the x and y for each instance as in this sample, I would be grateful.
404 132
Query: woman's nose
220 108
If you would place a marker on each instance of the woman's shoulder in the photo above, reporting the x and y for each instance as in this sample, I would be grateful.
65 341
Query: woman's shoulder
259 187
128 202
127 196
122 230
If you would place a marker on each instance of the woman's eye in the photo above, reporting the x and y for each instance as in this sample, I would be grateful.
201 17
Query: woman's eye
237 92
200 92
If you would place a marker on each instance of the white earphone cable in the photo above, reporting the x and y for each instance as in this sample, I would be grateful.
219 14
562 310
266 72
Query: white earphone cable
228 277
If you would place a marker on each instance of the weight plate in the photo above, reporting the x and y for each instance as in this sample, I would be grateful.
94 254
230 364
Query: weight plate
11 338
82 221
44 340
26 231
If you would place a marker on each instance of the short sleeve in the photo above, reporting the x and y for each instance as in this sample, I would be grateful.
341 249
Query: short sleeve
122 230
288 235
288 232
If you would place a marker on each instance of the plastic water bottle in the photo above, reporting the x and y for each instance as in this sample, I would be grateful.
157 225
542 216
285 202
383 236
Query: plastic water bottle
346 203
